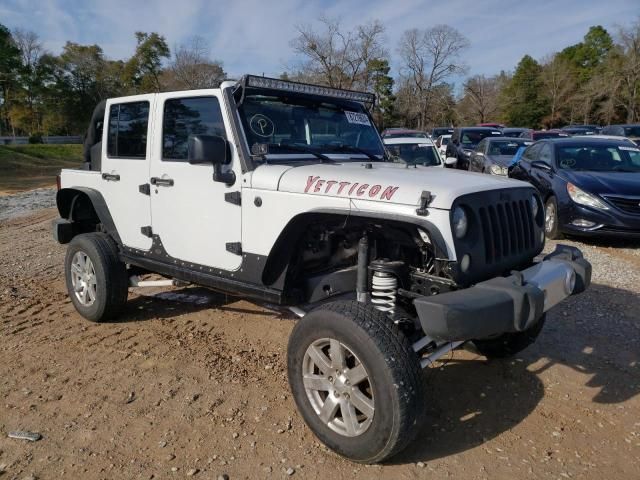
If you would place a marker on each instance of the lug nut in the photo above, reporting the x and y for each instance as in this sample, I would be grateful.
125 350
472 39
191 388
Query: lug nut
331 379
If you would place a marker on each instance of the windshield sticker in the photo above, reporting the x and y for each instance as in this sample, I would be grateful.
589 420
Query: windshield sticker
356 117
261 125
316 184
425 145
629 149
496 133
567 163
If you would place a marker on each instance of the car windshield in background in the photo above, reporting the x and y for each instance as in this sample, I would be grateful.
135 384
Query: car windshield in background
470 138
319 125
406 135
504 148
541 135
632 131
599 158
416 153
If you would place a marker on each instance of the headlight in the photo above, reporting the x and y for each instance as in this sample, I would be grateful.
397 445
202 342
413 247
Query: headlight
460 222
534 206
498 170
584 198
467 152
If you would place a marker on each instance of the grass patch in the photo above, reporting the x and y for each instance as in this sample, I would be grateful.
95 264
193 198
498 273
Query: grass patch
24 167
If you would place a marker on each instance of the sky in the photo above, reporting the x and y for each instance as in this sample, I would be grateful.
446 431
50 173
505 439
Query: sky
253 36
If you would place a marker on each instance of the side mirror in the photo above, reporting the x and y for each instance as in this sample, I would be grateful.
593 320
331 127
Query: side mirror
211 149
541 166
450 161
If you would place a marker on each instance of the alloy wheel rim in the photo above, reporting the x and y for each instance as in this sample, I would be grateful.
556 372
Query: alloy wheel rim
550 217
338 387
83 279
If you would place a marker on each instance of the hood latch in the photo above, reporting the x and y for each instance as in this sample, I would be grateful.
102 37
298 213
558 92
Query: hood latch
425 199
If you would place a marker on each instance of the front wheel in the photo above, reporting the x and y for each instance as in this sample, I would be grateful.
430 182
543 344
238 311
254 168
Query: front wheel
551 219
356 381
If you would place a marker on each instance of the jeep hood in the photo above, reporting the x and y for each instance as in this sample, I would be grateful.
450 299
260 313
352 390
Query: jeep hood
382 182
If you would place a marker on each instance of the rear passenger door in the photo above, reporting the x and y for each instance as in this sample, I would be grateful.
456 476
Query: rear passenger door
196 223
125 166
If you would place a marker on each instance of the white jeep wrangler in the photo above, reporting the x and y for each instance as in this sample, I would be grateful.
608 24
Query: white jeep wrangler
282 192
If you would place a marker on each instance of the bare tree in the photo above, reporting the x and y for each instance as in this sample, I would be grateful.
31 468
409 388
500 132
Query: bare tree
430 57
30 47
481 93
192 68
339 58
624 71
560 85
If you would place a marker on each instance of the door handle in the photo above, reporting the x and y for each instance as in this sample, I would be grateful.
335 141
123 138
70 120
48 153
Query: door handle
111 177
162 182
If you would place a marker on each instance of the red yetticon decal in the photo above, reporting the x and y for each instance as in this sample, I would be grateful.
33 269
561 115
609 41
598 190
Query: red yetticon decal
360 190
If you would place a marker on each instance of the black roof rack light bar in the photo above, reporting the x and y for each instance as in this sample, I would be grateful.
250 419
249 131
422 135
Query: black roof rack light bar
254 81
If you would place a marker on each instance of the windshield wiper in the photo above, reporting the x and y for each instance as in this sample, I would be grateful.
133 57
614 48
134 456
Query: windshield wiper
262 149
350 148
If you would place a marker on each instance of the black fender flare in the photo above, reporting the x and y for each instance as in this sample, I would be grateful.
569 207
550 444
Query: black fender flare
66 199
275 267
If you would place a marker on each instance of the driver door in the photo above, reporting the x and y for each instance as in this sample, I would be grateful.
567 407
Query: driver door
190 214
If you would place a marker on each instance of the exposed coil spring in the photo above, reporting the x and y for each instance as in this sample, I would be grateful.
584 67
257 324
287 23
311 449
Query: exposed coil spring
383 291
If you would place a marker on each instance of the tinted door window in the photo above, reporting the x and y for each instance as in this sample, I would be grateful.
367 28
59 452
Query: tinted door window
127 135
184 117
530 153
545 154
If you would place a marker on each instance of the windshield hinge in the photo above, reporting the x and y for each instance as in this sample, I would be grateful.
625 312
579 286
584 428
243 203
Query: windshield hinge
425 199
233 197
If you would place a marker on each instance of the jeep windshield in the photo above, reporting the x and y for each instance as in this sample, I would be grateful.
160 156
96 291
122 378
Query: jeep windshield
288 124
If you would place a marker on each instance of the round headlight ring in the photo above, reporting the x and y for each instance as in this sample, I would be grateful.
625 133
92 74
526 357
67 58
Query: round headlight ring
460 222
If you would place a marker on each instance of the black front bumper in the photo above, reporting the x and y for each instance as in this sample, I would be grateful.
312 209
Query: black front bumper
505 304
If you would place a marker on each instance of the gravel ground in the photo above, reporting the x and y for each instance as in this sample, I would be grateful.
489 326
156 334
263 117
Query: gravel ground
24 202
193 384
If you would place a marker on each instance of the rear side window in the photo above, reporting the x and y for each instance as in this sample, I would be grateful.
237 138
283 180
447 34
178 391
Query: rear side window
127 135
184 117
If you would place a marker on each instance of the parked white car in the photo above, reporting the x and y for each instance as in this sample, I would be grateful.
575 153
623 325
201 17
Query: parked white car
414 151
441 144
282 192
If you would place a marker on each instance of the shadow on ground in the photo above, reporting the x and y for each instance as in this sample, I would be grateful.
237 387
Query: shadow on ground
472 401
169 304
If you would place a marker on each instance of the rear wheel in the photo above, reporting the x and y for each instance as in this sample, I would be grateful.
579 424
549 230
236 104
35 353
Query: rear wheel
551 219
96 278
356 381
509 344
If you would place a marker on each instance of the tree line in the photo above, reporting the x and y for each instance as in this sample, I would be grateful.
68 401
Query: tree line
594 81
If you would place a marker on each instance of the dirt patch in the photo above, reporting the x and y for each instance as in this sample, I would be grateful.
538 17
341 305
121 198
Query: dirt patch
176 387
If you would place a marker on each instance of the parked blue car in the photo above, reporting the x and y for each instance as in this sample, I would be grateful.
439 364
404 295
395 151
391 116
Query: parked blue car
590 186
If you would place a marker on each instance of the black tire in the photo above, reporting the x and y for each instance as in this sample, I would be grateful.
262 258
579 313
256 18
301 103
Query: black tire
551 231
394 378
509 344
111 281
